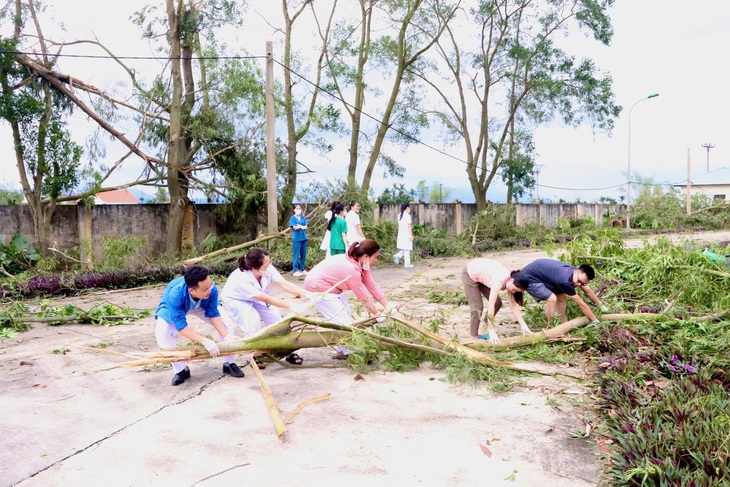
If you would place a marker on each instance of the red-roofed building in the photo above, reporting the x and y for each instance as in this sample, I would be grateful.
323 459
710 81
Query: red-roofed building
116 197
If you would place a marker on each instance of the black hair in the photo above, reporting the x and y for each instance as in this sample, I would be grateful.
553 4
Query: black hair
367 247
253 259
194 274
588 270
402 209
521 281
352 203
335 203
336 210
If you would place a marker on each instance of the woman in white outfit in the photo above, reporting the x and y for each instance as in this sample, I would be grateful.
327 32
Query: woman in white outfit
404 242
246 299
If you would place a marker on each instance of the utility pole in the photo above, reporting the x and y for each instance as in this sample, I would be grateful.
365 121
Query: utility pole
689 184
708 146
270 141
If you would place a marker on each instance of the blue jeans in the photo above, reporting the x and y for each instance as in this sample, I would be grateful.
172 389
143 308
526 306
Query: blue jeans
299 255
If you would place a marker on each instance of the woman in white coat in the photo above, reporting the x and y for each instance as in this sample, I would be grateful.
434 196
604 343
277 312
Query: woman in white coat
245 296
404 242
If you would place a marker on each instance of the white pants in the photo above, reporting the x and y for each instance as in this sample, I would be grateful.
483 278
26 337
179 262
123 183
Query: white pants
247 316
335 308
406 254
166 335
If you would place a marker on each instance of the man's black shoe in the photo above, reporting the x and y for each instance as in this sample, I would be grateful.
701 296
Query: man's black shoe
181 376
233 370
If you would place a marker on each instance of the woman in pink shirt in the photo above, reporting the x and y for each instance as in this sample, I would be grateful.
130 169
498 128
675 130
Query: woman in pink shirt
487 277
355 267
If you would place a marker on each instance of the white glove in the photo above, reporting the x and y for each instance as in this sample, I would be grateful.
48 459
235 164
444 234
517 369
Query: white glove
310 296
380 319
211 347
493 338
389 308
230 337
604 308
297 308
595 322
526 331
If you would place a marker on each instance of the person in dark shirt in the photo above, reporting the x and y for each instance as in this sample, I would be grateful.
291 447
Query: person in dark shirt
551 281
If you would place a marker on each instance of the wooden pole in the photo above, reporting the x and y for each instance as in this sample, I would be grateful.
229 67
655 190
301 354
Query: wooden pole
270 141
270 400
689 184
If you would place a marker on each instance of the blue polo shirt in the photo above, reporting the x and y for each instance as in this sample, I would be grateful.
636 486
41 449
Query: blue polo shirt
177 302
548 276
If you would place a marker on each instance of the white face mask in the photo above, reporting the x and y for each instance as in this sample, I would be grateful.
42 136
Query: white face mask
297 212
269 271
366 265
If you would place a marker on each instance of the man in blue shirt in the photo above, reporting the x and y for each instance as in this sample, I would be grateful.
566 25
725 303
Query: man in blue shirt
192 294
551 281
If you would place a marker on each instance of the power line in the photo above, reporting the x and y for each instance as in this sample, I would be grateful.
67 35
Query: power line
137 58
323 90
376 120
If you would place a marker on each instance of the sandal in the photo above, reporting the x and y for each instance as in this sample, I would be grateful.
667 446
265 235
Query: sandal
261 365
294 359
339 356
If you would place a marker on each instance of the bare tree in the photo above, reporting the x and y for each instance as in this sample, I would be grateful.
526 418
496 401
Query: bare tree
518 76
410 29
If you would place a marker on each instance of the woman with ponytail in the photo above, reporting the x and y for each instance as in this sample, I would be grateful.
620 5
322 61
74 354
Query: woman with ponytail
337 227
350 272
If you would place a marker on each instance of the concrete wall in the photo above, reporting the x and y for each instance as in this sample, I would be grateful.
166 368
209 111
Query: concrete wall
550 214
71 224
454 217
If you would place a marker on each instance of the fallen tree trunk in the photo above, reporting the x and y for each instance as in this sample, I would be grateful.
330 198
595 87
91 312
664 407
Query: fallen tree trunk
244 245
295 332
562 329
282 344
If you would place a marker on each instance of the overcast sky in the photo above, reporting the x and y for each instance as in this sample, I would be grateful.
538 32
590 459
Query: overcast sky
666 47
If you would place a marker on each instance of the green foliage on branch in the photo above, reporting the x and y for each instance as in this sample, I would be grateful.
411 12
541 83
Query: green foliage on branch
17 256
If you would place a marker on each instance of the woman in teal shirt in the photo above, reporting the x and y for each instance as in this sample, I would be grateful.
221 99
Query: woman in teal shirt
338 230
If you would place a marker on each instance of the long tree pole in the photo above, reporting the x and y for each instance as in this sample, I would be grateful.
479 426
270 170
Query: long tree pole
270 141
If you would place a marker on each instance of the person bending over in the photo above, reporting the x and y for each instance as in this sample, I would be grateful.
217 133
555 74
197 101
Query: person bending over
192 294
553 281
487 277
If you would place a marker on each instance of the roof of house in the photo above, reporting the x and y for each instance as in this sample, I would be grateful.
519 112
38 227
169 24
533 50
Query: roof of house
116 196
716 177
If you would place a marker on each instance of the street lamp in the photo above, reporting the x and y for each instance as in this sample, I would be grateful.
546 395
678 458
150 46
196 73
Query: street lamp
628 179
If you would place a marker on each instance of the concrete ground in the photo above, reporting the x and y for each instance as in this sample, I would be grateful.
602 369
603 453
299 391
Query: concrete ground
71 417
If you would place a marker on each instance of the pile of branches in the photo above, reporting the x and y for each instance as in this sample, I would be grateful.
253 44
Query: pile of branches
661 378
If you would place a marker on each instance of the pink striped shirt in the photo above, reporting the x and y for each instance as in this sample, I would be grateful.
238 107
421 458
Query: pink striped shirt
338 267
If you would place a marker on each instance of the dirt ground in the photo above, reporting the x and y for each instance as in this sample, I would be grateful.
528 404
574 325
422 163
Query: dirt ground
74 418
